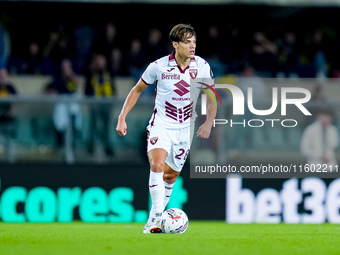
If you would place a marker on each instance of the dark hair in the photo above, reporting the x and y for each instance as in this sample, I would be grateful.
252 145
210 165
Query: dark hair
178 33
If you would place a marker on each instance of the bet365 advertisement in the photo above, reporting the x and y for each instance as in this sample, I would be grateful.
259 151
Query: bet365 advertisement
61 193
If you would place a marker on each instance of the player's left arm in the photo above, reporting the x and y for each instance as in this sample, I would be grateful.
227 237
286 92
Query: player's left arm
205 129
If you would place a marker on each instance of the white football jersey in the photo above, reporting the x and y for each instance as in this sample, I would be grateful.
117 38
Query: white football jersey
173 106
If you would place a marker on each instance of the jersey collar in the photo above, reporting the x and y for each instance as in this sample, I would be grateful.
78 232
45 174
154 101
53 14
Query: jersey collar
172 62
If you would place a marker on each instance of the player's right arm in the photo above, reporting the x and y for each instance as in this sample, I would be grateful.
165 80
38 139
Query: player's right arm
129 103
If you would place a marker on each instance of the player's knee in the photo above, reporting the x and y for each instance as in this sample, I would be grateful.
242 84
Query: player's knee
157 167
170 177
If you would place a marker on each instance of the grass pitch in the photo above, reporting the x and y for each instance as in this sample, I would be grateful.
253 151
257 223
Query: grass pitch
200 238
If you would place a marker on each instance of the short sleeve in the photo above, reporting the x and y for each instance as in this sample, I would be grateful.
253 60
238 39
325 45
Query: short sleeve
206 74
150 74
206 71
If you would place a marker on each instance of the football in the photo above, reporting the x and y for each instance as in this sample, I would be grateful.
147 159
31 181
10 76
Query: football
174 221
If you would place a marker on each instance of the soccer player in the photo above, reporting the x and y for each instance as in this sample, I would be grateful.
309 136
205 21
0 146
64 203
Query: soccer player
168 131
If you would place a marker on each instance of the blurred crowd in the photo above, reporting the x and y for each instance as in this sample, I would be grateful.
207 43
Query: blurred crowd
276 54
86 60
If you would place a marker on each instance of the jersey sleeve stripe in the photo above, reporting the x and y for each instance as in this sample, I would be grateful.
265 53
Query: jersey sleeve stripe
145 81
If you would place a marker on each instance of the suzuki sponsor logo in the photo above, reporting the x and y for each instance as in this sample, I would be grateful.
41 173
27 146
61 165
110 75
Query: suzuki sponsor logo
182 88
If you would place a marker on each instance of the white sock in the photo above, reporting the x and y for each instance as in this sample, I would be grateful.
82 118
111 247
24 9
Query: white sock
157 192
168 190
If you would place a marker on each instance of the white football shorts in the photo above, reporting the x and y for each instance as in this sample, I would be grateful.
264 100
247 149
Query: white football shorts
175 141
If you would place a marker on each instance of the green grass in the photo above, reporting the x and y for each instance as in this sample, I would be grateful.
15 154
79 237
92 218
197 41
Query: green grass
200 238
